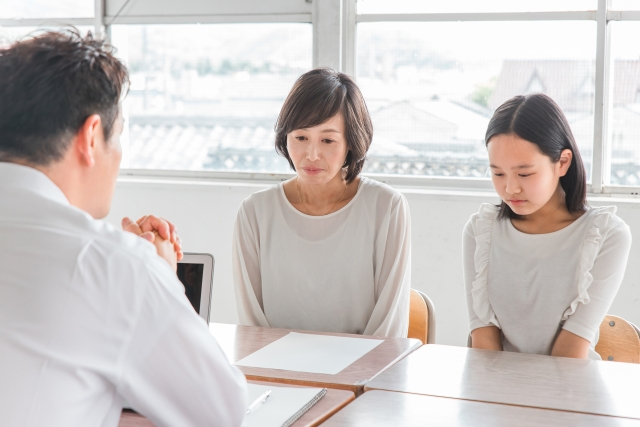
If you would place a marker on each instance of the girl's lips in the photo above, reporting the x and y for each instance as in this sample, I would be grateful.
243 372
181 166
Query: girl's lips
517 202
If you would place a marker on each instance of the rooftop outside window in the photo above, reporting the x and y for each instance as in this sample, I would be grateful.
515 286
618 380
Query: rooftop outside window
206 97
432 87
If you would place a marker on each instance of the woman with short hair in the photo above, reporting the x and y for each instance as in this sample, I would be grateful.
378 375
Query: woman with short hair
327 250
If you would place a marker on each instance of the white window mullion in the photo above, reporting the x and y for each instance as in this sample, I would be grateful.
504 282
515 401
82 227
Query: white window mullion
586 15
623 15
349 37
603 70
99 18
334 38
327 34
46 22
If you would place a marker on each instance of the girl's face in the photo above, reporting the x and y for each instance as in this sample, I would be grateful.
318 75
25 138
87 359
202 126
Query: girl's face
524 178
318 152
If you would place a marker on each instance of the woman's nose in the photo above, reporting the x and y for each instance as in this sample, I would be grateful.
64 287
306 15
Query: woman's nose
312 153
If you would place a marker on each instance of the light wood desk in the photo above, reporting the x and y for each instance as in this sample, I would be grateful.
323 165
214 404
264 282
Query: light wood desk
240 341
133 419
332 402
386 408
594 387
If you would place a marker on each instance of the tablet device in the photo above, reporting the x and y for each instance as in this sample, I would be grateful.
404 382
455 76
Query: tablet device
195 271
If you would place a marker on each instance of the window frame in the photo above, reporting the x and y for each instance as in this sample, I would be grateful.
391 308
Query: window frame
334 34
601 162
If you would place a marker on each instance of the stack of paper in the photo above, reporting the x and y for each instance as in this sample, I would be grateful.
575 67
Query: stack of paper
320 354
283 407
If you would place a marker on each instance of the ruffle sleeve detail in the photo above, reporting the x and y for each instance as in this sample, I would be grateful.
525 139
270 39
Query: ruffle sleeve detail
483 231
590 250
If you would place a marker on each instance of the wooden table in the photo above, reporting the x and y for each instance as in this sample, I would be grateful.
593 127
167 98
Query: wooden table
132 419
587 386
386 408
240 341
332 402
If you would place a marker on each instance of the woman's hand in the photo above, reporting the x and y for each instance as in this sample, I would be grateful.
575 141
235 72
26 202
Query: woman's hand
486 338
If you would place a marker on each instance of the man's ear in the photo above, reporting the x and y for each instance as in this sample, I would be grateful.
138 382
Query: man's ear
87 139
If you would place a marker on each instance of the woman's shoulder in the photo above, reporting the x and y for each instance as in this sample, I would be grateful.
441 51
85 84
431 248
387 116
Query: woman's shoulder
262 201
264 197
379 191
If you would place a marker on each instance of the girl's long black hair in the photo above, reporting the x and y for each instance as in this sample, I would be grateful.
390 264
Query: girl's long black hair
538 119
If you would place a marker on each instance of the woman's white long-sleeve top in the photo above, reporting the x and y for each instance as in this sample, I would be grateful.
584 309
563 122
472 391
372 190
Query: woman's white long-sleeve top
346 272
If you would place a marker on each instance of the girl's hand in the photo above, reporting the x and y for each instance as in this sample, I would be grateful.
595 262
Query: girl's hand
569 344
487 338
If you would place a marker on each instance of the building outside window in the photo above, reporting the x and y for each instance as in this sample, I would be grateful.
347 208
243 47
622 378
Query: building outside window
206 97
208 81
433 86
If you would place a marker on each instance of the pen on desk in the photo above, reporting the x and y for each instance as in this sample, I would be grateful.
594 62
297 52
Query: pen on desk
259 401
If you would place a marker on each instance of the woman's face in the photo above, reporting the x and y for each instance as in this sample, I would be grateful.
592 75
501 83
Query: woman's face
318 152
524 178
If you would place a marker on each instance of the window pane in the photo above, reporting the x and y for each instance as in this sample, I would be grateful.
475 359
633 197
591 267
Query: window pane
471 6
625 115
432 87
207 96
625 5
9 35
33 9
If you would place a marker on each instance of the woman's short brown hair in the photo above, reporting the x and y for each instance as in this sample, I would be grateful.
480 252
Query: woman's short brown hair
317 96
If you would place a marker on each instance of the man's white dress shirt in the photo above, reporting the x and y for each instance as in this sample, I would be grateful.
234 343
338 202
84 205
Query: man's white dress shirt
91 315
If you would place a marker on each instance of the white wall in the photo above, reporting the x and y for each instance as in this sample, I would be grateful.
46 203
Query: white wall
205 211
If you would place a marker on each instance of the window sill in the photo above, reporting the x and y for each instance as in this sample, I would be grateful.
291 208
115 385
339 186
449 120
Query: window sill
436 187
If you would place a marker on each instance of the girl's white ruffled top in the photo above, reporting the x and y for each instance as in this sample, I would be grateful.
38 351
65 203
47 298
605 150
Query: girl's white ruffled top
532 285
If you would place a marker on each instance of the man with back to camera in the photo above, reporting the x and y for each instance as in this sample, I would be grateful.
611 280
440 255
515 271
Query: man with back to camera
89 315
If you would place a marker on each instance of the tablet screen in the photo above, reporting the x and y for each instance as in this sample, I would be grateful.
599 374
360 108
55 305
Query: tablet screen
191 277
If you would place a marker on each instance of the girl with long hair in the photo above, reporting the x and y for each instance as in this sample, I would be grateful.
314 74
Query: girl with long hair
541 269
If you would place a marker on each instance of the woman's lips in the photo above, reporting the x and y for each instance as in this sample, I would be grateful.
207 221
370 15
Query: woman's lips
312 171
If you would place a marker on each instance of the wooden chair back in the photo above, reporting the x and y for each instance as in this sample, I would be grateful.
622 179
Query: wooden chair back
422 321
619 341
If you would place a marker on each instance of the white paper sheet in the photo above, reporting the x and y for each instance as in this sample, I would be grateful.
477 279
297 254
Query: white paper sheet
319 354
281 405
